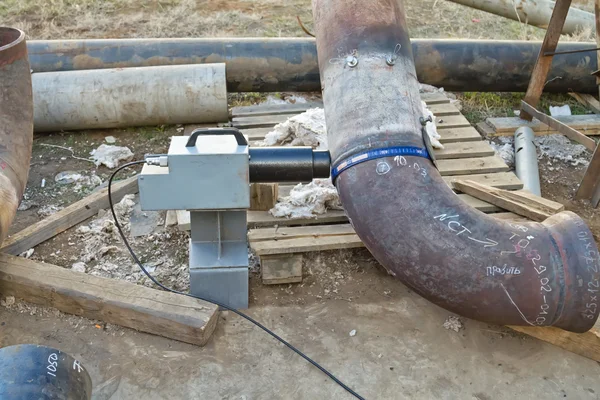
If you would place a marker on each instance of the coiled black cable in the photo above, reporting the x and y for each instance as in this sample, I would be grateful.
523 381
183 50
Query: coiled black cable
241 314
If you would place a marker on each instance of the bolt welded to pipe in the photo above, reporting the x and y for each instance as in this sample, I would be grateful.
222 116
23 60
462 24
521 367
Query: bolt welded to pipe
414 225
16 123
526 163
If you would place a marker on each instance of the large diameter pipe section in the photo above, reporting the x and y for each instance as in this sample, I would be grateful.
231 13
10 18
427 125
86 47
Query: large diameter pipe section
470 263
280 64
533 12
29 371
16 123
124 97
526 162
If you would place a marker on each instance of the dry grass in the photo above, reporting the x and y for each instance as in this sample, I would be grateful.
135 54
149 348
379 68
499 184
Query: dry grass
52 19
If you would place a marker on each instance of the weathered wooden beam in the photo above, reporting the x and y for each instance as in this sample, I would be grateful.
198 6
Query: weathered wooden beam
589 188
543 62
263 196
566 130
527 205
66 218
587 100
114 301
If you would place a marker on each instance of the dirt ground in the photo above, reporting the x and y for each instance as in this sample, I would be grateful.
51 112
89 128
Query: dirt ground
401 349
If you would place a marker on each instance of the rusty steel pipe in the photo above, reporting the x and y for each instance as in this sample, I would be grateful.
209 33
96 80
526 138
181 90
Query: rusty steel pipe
290 64
16 123
470 263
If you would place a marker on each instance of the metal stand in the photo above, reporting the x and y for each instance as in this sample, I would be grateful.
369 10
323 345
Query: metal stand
219 256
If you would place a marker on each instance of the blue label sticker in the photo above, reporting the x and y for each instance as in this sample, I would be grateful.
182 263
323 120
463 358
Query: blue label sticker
377 153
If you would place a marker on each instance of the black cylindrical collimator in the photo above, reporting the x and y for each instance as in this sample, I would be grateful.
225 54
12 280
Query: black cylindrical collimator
288 164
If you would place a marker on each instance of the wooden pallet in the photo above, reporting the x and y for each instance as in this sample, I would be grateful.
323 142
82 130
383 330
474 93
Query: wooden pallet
280 242
506 126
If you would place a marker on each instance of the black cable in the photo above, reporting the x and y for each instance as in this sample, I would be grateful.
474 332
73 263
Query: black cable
241 314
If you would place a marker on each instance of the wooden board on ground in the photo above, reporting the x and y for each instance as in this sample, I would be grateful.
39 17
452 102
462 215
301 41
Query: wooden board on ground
464 150
263 196
111 300
525 203
506 126
464 166
587 100
66 218
281 268
500 180
585 344
448 135
452 121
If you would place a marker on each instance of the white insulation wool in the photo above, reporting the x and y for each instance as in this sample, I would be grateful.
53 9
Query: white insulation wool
308 201
318 196
306 129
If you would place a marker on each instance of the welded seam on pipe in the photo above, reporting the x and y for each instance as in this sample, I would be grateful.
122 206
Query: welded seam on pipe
415 226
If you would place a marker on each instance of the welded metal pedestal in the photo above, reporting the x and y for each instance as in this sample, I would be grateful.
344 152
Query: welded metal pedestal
219 256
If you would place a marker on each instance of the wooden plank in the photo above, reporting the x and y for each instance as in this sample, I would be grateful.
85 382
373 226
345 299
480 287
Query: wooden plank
443 109
464 166
588 100
306 244
281 268
273 109
566 130
585 344
543 62
464 150
263 196
257 219
448 135
434 98
114 301
66 218
266 121
485 129
522 205
508 216
280 233
452 121
256 133
431 99
501 180
590 184
459 135
585 124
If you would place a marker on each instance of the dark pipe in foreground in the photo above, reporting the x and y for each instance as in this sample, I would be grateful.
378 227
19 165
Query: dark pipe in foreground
288 164
290 64
16 123
411 221
29 371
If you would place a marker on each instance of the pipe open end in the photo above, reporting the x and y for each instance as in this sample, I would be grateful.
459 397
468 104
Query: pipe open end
16 123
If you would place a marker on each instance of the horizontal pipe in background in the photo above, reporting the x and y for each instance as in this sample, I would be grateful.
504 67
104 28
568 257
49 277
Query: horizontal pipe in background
290 64
123 97
533 12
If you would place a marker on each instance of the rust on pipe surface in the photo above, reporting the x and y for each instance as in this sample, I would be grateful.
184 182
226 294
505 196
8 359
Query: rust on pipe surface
530 273
16 123
290 64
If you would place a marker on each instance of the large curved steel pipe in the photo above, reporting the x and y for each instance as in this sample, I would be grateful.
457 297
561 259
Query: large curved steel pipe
16 123
415 226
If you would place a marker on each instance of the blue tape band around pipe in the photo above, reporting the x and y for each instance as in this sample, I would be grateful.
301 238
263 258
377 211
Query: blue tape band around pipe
377 153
